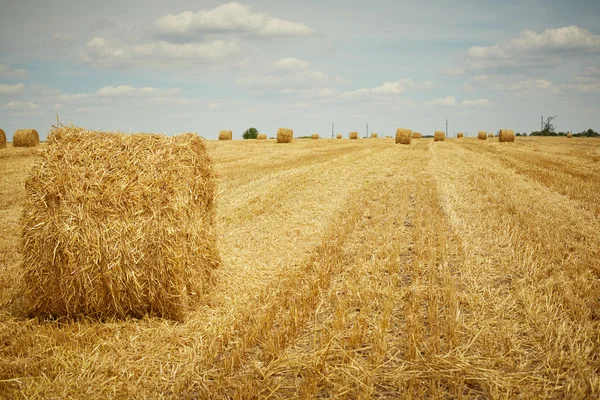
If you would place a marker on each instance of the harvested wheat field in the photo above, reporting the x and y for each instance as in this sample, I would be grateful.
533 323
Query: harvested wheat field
350 269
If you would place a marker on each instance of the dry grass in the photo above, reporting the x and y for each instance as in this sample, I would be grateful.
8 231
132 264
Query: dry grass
26 138
403 136
118 225
353 135
506 135
482 135
439 136
2 139
261 136
225 135
467 270
285 135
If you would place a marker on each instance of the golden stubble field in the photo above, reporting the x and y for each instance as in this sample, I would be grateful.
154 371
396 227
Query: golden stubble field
353 269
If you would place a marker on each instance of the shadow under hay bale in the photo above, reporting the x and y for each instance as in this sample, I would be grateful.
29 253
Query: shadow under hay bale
481 135
506 135
403 136
225 135
26 138
2 139
119 225
285 135
439 136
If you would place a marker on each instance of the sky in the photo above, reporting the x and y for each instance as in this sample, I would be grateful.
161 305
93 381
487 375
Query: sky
203 66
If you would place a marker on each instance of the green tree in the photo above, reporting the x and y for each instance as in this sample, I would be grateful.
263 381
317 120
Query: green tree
251 133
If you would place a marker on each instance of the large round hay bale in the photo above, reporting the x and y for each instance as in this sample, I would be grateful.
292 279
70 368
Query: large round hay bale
261 136
2 139
459 135
374 136
569 136
417 135
403 136
314 136
339 136
506 135
353 135
26 138
285 135
225 135
439 136
118 225
481 135
490 135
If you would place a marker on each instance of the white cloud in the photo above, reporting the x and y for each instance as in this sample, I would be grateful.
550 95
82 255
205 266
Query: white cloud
454 71
475 103
518 83
214 105
231 17
398 87
442 101
290 64
8 89
21 106
100 53
7 72
130 91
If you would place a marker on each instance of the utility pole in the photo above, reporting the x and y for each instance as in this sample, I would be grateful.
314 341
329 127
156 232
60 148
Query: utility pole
367 130
542 126
332 124
446 127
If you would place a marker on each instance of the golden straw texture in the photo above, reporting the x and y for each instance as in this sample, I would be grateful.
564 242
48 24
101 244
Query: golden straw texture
285 135
339 136
118 225
439 136
459 135
2 139
481 135
261 136
506 135
225 135
374 136
417 135
314 136
403 136
569 135
353 135
26 138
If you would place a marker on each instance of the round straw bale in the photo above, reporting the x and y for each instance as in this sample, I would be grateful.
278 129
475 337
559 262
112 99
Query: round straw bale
118 225
403 136
353 135
26 138
314 136
459 135
417 135
285 135
569 136
2 139
261 136
506 135
225 135
490 135
339 136
374 136
439 136
481 135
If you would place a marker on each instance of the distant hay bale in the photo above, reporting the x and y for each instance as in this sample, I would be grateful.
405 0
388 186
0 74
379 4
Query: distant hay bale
374 136
118 225
225 135
506 135
339 136
314 136
481 135
490 135
2 139
569 136
417 135
403 136
285 135
439 136
353 135
26 138
459 135
261 136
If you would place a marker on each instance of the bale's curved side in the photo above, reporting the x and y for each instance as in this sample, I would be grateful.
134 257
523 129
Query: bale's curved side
339 136
481 135
261 136
26 138
439 136
2 139
285 135
403 136
225 135
353 135
459 135
314 136
118 225
506 135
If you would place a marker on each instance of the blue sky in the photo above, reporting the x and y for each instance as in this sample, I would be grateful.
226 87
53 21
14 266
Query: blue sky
203 66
